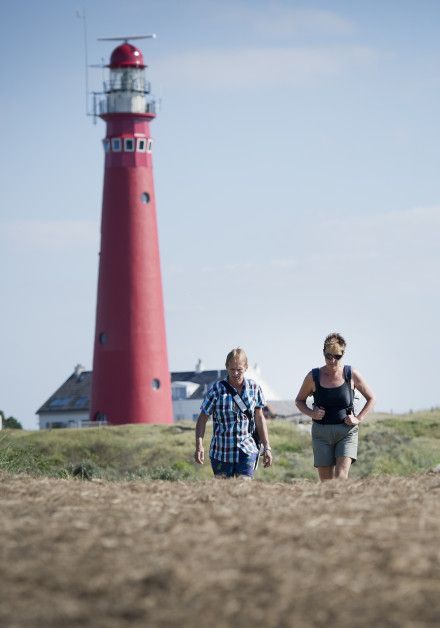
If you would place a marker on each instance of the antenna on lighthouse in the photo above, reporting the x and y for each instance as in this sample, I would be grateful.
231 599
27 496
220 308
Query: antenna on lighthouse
152 36
82 16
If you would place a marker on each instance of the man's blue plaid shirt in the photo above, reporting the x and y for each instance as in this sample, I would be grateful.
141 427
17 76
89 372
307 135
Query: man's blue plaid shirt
231 430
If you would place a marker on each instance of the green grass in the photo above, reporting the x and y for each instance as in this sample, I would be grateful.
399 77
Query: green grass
401 445
397 445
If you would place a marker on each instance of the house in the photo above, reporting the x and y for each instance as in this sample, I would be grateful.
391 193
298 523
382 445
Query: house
69 405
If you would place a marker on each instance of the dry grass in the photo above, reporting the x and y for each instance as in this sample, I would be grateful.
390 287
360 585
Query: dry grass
220 553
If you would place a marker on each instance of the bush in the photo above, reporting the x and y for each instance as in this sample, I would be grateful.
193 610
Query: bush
11 423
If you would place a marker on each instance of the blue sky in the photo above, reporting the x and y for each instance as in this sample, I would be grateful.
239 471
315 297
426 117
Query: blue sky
296 169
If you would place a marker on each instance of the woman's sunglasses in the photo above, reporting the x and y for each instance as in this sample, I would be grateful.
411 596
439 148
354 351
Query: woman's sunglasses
333 356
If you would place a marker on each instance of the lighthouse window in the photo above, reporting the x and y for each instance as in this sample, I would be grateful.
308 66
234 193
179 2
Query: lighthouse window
129 144
145 197
155 384
103 339
106 144
141 145
116 144
149 145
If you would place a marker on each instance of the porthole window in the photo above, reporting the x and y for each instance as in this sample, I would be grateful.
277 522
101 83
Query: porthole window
106 144
129 144
141 145
145 197
149 145
155 383
103 338
116 144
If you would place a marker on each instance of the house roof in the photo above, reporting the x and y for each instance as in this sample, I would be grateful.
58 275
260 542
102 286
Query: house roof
198 377
202 378
74 393
282 409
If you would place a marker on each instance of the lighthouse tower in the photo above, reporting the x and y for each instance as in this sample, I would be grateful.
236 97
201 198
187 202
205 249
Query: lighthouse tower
131 379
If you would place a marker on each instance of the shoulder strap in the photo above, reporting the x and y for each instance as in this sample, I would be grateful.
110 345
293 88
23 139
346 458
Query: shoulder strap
348 374
315 375
237 398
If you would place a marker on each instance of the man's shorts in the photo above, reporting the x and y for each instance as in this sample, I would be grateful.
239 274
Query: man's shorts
244 466
332 441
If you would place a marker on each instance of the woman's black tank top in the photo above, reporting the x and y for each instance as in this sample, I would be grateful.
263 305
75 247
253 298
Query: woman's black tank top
335 401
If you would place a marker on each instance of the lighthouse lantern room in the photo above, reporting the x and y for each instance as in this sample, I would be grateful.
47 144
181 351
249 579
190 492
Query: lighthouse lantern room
127 89
131 380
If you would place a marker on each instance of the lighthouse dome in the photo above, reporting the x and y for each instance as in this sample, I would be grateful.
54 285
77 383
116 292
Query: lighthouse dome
126 56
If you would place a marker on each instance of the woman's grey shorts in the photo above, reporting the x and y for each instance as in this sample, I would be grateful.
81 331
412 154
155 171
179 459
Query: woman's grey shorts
332 441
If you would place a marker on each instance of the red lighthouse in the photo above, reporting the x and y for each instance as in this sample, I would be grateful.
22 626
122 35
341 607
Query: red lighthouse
131 379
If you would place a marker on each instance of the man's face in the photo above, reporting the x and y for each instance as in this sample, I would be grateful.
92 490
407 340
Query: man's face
236 370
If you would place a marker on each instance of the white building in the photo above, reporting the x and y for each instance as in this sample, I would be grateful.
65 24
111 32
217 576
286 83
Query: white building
69 405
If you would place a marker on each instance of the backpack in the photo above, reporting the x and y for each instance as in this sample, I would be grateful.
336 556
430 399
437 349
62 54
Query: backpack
348 372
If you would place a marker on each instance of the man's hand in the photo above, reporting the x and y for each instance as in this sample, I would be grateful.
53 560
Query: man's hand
199 455
267 459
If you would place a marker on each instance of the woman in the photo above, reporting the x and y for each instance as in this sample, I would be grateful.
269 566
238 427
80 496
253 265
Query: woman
233 451
335 427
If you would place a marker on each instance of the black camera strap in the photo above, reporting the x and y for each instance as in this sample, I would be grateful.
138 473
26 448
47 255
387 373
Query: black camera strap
243 407
238 399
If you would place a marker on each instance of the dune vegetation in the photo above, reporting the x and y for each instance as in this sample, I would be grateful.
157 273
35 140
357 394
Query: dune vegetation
389 444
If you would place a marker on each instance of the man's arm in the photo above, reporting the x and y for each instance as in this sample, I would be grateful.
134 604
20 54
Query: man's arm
199 455
261 424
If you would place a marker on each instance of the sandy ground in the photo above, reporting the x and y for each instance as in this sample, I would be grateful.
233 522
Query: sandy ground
220 553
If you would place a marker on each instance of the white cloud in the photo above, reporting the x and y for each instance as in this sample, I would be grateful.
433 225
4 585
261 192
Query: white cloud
415 226
230 268
395 250
282 21
279 19
264 68
49 234
281 264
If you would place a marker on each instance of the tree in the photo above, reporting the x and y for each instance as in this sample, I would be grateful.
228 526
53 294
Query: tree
11 422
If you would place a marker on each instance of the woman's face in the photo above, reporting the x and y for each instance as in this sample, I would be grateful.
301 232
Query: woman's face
236 370
333 356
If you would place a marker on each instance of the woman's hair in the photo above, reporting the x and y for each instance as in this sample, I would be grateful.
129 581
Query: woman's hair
334 340
236 353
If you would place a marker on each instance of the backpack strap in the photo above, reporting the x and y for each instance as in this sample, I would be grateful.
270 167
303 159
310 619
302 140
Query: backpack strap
348 374
315 375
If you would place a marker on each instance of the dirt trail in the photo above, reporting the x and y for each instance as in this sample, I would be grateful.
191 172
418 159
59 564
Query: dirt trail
220 553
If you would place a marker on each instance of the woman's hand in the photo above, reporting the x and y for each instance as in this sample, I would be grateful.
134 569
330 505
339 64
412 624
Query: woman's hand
318 413
199 455
350 419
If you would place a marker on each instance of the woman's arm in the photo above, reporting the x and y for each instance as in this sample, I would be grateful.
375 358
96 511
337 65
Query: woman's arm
261 424
307 389
366 391
199 455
